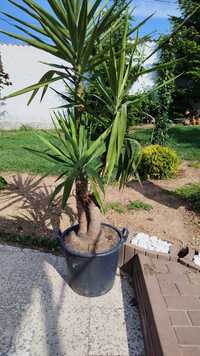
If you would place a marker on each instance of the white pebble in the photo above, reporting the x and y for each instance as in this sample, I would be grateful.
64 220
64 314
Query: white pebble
152 243
196 259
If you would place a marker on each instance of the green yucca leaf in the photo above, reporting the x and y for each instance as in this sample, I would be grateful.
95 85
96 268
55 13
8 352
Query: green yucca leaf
38 44
66 98
112 71
73 128
97 179
77 8
22 22
55 192
59 11
45 155
121 129
67 143
55 65
72 26
67 188
62 46
33 87
93 11
45 78
82 26
42 13
24 9
136 28
122 59
104 92
97 196
99 141
56 150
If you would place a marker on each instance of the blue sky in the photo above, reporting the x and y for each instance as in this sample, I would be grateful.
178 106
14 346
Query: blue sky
157 25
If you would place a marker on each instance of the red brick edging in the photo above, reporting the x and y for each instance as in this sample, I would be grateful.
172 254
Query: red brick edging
130 250
168 293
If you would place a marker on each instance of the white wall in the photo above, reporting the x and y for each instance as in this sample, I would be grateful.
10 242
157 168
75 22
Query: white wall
23 66
146 81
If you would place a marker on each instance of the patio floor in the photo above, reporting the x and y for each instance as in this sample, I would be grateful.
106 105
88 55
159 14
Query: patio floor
168 294
41 316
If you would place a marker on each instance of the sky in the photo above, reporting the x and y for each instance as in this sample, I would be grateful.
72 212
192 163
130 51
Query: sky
159 24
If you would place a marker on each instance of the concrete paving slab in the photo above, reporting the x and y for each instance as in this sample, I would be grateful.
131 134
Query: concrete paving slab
40 315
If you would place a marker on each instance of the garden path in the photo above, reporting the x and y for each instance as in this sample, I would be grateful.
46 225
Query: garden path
41 315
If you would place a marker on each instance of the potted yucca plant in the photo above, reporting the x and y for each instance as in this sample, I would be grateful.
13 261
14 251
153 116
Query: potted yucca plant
73 31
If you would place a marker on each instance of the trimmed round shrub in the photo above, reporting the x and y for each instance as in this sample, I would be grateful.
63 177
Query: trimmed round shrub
158 162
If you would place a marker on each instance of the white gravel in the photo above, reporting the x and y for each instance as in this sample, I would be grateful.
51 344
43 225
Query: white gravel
152 243
196 259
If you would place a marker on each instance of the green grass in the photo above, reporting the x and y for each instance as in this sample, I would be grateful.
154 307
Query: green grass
13 156
132 205
185 140
195 164
116 206
139 205
41 243
3 183
191 194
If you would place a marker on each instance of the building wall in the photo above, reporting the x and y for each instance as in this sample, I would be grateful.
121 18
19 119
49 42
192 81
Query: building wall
23 66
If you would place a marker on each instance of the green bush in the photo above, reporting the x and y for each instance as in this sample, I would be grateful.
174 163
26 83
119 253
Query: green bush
191 193
158 162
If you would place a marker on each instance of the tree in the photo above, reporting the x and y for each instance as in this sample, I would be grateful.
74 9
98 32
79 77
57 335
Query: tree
4 77
75 31
165 95
186 44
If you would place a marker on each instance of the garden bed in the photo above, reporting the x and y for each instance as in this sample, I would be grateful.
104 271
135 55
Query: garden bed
24 209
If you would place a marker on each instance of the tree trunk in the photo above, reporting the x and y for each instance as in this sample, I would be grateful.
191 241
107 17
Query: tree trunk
91 236
81 203
89 215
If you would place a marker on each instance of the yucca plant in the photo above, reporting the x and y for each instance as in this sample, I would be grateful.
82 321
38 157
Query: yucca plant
70 31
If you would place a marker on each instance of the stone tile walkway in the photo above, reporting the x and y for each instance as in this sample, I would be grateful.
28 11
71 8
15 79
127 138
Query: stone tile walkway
41 316
168 296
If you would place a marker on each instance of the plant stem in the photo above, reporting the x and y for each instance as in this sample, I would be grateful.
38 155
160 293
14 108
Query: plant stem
89 216
82 195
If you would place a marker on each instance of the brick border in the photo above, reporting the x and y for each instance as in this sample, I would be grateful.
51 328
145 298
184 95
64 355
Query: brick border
129 251
160 342
159 337
151 337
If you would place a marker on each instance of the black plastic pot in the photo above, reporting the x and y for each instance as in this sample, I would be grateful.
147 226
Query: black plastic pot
92 274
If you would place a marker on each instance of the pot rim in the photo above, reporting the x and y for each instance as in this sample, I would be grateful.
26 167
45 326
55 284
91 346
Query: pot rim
122 239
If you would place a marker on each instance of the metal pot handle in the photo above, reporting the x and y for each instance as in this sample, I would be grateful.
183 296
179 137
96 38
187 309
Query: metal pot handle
125 233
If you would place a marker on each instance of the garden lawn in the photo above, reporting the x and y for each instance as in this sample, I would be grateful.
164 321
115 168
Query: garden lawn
13 157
